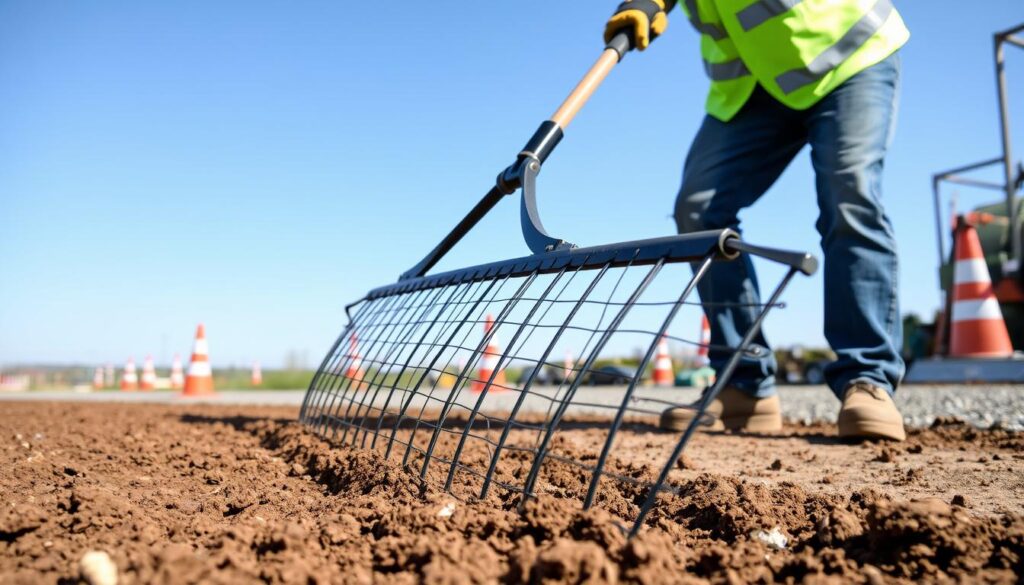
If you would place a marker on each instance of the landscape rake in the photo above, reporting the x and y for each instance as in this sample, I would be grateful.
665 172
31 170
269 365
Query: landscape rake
419 372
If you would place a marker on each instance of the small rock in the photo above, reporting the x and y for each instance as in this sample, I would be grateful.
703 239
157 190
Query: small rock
685 462
97 568
447 510
961 501
776 465
774 539
887 455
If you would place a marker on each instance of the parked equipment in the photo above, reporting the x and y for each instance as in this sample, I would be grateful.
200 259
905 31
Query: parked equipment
999 230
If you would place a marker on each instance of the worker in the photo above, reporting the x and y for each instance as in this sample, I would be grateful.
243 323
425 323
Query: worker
785 73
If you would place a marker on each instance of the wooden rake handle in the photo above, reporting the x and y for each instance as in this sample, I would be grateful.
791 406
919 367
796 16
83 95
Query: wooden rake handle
532 155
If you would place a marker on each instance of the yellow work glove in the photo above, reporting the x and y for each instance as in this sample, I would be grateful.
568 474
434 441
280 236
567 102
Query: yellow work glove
646 19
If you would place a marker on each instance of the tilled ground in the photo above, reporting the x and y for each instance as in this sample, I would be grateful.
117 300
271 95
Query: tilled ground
180 494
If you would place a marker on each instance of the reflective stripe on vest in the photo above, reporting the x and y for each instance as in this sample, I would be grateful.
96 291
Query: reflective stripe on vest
759 12
832 57
714 31
727 70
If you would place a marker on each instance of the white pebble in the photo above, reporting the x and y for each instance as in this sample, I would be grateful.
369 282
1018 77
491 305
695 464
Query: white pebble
97 568
447 510
773 540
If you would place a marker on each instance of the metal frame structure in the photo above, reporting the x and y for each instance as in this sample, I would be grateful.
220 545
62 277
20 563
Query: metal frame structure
1012 177
388 396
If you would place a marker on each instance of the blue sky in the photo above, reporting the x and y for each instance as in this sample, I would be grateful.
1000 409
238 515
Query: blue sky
258 165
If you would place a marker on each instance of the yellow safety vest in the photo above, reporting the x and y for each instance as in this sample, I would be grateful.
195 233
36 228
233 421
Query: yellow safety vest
798 50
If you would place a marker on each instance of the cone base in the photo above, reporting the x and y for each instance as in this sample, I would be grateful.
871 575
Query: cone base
196 386
497 385
981 338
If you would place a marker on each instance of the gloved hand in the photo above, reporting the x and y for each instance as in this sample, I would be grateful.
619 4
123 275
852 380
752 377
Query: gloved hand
645 18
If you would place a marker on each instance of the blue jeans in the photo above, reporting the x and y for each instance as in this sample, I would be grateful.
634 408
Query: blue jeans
731 164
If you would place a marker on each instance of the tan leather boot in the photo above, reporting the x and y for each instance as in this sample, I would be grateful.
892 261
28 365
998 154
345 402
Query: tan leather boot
732 409
868 412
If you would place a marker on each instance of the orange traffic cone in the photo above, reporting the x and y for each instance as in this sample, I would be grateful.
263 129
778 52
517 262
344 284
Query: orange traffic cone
705 342
177 379
489 362
148 379
199 381
257 374
977 327
663 365
129 379
97 379
354 369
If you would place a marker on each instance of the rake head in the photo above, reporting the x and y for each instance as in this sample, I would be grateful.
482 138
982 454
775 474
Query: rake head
469 376
456 372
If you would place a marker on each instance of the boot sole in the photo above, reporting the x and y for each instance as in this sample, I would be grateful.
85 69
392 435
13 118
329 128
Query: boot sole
871 429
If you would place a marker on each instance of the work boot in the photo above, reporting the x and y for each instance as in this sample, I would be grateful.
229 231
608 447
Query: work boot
868 412
732 409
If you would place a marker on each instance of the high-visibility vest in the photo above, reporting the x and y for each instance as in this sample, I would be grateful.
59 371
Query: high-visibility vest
798 50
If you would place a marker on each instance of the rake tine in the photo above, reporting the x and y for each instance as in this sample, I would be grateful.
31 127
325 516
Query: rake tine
331 392
529 383
408 333
585 351
617 422
343 383
407 323
314 385
460 326
415 390
458 291
531 478
328 383
389 343
479 352
378 340
501 361
706 399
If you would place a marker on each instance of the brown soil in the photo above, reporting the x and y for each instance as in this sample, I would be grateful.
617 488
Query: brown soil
234 494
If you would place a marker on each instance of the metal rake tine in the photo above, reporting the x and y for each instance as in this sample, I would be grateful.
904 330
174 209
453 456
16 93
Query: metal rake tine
435 349
412 354
315 383
378 341
706 399
342 361
396 350
538 461
502 315
325 385
501 362
437 356
459 326
341 382
406 323
529 383
620 413
586 347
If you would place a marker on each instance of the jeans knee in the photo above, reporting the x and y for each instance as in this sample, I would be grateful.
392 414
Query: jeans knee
690 208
